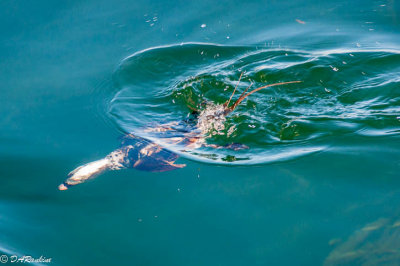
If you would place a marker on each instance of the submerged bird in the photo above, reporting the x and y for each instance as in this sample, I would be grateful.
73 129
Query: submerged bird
142 154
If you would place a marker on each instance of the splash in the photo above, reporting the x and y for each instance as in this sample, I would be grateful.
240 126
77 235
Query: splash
212 120
343 94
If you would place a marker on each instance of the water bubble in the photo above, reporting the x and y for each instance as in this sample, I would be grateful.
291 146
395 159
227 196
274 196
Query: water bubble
203 25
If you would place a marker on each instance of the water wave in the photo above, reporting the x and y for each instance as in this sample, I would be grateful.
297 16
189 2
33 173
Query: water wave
343 93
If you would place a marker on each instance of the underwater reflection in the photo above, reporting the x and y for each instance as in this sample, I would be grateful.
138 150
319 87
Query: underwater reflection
377 243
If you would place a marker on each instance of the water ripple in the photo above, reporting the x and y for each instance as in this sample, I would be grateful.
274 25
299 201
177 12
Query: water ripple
343 93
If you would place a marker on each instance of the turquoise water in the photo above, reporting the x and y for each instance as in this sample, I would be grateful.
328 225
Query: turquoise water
318 184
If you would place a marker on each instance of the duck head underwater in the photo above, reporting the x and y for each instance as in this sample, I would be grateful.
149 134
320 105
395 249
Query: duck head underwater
143 154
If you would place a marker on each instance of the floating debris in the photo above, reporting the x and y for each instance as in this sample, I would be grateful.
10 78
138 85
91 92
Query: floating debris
334 68
300 21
